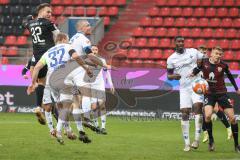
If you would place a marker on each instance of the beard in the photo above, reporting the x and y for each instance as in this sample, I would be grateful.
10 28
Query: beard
180 50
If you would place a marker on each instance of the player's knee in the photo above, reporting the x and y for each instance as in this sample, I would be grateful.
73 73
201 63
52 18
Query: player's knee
208 118
232 120
47 107
185 116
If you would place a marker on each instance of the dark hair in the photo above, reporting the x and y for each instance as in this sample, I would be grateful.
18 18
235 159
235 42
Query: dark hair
178 37
41 6
202 47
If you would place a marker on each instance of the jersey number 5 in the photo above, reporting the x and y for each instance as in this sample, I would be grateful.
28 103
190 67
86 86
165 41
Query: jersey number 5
36 32
56 57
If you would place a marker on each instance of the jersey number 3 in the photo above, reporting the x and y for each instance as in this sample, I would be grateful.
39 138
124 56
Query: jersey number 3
56 57
36 32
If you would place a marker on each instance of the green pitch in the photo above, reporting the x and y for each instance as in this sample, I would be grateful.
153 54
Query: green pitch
22 138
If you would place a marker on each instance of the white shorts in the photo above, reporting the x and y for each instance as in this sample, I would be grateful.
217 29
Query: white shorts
188 98
86 104
98 92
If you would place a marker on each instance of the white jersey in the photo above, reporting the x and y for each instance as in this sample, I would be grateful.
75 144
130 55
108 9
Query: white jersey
184 64
80 42
56 56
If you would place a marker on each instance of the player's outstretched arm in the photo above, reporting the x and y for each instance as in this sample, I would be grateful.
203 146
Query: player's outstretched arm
232 80
172 76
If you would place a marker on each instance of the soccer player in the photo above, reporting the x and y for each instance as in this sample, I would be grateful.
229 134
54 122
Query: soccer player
213 69
217 109
179 66
43 32
82 45
55 57
98 93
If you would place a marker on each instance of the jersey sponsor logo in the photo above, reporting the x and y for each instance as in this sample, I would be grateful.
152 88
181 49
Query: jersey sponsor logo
211 78
219 69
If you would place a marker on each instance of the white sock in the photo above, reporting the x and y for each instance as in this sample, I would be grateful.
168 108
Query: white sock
60 125
77 117
185 131
48 116
198 126
67 126
103 120
95 118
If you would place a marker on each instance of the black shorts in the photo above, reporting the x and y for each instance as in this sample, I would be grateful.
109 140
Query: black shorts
43 72
222 99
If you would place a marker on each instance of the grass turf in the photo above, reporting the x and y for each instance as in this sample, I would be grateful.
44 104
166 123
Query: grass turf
22 138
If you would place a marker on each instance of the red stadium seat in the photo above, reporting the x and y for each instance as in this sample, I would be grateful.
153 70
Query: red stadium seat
120 2
199 42
113 11
195 3
99 3
228 55
4 60
161 2
237 3
58 10
199 12
154 11
168 21
146 21
211 43
207 33
218 3
145 53
162 63
210 12
26 32
177 11
231 33
219 33
141 42
79 11
183 3
192 22
237 55
172 32
236 22
235 44
187 12
91 11
106 21
224 43
109 2
227 22
136 63
161 32
188 43
130 40
206 3
153 42
172 3
158 21
215 22
103 11
185 32
56 2
165 11
3 50
156 54
67 2
234 66
228 3
233 12
12 51
10 40
138 31
22 40
77 2
203 22
167 53
133 53
68 10
149 31
180 22
222 12
195 32
165 42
